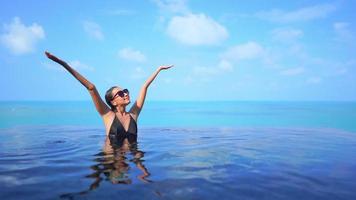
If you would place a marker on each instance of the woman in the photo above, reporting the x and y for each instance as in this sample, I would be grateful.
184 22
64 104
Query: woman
120 125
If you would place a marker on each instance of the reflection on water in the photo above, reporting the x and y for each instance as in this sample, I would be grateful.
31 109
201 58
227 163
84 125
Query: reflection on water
112 165
178 163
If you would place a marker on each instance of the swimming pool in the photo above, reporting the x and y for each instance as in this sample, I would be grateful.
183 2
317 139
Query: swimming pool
73 162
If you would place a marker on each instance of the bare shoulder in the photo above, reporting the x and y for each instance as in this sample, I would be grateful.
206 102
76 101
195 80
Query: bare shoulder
134 108
135 111
108 119
134 116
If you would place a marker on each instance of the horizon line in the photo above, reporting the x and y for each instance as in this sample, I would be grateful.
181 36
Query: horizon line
211 100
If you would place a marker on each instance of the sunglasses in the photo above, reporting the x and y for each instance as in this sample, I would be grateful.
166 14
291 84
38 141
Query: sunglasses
121 93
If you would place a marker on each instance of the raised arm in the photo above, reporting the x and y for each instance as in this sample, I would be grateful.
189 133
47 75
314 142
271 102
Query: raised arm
136 108
100 106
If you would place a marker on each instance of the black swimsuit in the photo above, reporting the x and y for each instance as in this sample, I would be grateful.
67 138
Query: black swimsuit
118 134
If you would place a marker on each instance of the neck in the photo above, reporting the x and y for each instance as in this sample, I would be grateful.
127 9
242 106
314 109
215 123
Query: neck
121 109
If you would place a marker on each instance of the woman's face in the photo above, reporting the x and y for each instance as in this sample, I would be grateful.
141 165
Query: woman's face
120 97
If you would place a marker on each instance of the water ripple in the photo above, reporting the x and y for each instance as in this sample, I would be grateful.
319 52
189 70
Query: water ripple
178 163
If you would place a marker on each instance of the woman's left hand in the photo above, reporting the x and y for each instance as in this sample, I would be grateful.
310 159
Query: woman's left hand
164 67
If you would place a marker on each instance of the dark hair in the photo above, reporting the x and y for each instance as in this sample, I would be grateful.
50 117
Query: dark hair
108 97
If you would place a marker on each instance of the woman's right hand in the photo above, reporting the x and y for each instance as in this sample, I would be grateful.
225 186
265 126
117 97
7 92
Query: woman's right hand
52 57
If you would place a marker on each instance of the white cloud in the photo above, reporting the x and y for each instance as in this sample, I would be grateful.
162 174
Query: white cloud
351 63
172 6
225 65
205 74
132 55
52 66
139 73
342 71
196 29
249 50
286 34
343 31
201 74
21 39
80 66
303 14
340 25
167 80
344 67
93 30
205 71
313 80
188 80
293 71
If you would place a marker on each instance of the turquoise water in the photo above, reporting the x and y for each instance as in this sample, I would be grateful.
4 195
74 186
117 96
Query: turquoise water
340 115
185 150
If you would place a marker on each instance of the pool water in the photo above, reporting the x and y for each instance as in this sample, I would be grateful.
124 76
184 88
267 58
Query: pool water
77 162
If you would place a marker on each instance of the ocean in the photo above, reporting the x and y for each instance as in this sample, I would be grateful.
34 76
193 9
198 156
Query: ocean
185 150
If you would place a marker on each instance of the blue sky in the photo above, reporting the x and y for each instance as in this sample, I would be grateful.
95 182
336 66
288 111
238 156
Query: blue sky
222 50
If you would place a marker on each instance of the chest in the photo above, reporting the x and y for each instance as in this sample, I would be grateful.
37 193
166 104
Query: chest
123 125
124 121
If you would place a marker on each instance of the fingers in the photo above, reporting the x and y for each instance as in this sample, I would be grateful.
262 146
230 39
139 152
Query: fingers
166 66
52 57
47 54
